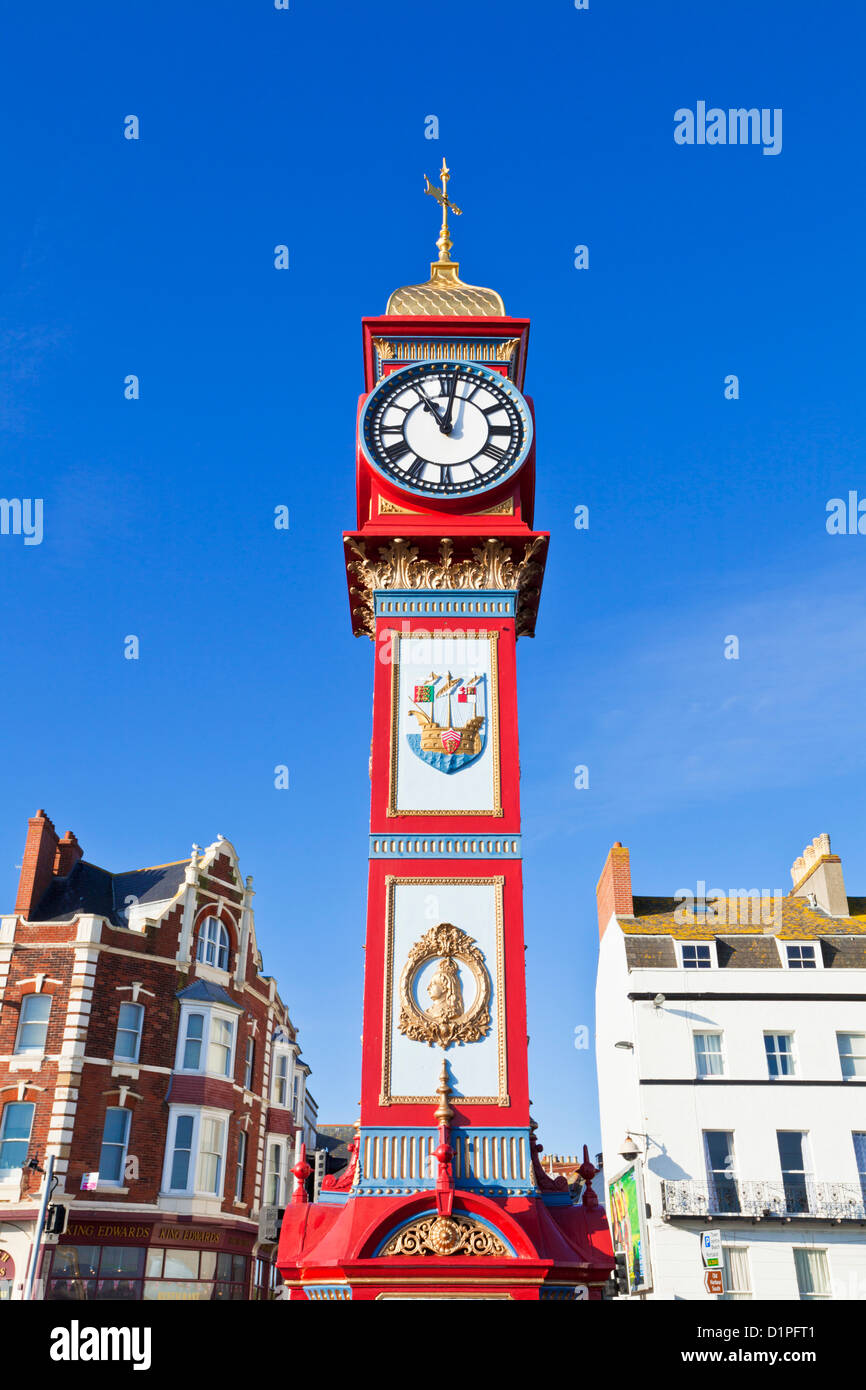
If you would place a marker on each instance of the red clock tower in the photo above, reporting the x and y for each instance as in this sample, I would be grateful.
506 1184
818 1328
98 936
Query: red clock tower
445 1195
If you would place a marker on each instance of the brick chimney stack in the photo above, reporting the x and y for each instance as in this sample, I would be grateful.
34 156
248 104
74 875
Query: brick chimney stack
68 854
819 871
613 890
37 866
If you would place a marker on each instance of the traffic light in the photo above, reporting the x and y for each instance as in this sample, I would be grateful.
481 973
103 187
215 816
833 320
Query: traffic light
55 1219
620 1272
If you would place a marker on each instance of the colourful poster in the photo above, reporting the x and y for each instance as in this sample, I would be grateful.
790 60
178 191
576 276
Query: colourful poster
629 1228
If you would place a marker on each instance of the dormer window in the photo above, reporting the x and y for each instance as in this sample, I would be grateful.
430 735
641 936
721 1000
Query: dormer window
801 955
213 944
697 955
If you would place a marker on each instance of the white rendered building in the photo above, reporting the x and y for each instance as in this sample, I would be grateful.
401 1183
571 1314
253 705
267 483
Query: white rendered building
731 1048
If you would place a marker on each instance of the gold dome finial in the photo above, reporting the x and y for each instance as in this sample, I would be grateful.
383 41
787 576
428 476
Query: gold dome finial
445 293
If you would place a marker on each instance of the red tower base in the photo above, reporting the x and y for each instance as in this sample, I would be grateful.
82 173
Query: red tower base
386 1248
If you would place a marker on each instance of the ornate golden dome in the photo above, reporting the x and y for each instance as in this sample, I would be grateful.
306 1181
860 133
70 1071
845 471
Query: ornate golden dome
445 294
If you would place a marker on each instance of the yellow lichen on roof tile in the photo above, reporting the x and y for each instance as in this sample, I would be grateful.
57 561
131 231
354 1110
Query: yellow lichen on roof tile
741 916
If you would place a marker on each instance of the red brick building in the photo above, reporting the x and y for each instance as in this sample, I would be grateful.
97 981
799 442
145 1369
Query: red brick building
142 1046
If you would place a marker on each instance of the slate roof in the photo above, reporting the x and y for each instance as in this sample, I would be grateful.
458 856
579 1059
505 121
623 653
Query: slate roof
206 992
655 917
87 888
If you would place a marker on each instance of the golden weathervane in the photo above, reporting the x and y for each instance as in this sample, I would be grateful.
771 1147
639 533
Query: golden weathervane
445 293
444 240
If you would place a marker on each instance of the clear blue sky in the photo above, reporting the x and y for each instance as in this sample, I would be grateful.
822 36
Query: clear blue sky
155 257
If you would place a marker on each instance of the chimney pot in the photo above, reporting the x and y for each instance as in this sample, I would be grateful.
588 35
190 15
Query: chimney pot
37 865
613 891
817 875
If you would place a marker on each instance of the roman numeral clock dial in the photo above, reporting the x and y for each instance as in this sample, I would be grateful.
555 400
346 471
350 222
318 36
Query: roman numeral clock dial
446 429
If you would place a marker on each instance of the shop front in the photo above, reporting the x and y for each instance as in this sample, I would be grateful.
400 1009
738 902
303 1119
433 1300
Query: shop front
154 1261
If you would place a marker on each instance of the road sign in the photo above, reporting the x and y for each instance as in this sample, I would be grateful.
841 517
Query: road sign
711 1249
714 1281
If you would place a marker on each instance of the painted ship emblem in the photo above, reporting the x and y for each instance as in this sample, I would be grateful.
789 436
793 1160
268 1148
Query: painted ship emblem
447 745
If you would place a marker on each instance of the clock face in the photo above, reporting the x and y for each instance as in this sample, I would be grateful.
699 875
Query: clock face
446 429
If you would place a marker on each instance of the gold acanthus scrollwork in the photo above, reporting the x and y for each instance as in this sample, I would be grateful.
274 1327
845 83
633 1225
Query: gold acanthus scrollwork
446 1020
445 1235
490 566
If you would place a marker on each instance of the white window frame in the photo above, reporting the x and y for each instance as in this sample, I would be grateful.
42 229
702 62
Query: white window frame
709 1033
124 1147
716 1177
807 1172
280 1143
198 1113
127 1004
204 943
23 1022
739 1294
815 945
855 1056
281 1055
3 1121
210 1013
241 1165
249 1063
792 1053
821 1250
711 946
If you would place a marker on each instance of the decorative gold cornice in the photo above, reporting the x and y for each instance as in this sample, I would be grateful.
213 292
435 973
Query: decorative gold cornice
445 1235
430 350
505 508
490 567
387 508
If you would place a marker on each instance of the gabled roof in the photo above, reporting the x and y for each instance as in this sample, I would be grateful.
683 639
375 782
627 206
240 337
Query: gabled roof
206 992
87 888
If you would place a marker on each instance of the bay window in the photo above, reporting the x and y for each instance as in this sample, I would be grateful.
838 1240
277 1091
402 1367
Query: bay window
206 1042
195 1152
280 1090
240 1166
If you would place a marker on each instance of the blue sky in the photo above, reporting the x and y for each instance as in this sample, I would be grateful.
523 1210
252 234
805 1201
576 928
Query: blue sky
707 516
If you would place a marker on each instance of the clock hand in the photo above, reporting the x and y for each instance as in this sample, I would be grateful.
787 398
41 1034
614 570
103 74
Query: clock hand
445 424
428 404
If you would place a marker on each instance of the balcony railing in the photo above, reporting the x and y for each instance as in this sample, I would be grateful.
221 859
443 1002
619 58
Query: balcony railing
796 1198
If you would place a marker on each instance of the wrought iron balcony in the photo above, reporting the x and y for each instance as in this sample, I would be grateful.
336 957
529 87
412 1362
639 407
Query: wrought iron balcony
798 1198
